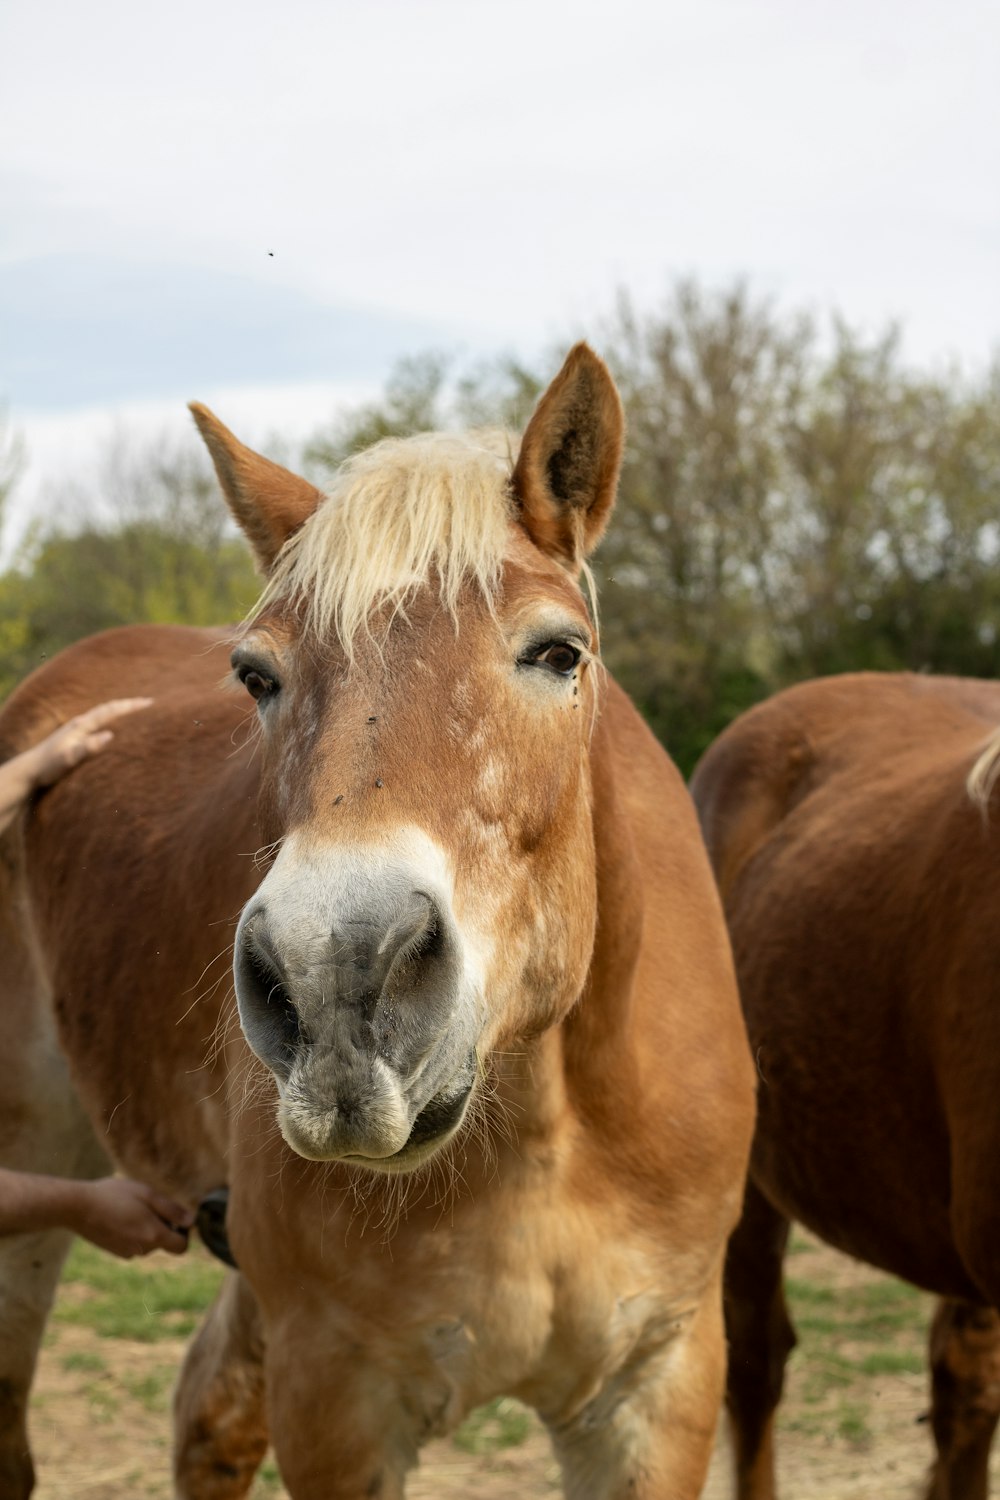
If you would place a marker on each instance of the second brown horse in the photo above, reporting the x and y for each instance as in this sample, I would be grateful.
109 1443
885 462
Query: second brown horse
850 826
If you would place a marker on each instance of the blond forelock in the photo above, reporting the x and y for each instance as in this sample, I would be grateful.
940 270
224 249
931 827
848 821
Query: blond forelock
403 512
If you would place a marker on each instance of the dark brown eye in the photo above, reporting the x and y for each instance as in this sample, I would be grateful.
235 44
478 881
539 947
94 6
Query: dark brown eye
256 683
558 656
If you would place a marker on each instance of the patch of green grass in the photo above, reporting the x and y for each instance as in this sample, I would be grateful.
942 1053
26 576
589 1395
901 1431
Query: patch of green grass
502 1424
268 1480
863 1313
85 1361
827 1371
894 1362
803 1295
849 1335
102 1401
810 1424
151 1389
852 1424
136 1300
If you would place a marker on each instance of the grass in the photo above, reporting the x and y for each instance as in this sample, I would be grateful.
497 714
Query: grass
152 1388
268 1481
501 1424
853 1340
82 1360
133 1299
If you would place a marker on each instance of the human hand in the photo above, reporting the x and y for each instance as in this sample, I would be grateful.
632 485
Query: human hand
78 739
128 1218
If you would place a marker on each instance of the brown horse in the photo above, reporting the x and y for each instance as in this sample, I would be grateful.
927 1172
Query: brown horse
492 1132
848 822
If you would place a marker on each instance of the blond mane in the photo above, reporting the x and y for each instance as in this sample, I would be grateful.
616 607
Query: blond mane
984 774
403 511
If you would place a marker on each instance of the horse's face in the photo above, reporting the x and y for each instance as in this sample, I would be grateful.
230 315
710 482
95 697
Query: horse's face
428 775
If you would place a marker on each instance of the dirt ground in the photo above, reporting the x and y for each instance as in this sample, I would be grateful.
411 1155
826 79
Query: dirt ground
100 1419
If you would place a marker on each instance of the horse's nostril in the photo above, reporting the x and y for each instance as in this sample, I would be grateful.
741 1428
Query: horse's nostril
277 1001
268 1014
414 933
429 942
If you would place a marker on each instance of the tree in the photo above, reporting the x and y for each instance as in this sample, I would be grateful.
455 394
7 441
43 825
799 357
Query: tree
11 459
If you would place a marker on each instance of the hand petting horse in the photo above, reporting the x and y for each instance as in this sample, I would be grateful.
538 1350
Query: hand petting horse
851 826
485 1118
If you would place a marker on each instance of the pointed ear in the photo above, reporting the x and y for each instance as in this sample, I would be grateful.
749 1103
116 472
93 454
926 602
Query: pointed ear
268 502
567 471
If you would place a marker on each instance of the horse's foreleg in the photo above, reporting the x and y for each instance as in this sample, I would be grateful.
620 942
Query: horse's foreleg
761 1337
348 1413
965 1398
220 1423
649 1433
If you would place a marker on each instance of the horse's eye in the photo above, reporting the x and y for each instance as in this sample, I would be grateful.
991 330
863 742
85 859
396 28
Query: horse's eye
256 683
558 656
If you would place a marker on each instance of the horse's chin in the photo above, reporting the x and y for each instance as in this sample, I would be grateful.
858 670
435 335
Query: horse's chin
416 1153
437 1123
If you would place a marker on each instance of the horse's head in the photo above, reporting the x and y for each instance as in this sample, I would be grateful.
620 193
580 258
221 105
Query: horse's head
424 668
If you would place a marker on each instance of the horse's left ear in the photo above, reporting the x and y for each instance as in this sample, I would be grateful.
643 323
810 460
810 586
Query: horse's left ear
566 474
268 502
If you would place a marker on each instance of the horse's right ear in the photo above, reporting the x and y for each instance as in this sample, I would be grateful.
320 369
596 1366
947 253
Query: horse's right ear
268 502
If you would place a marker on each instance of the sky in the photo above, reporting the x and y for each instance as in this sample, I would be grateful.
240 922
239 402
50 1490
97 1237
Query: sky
263 205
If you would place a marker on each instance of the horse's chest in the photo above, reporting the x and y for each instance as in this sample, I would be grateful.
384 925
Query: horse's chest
550 1306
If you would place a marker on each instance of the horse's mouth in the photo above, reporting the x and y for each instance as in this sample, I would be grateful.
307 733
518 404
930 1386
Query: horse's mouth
439 1120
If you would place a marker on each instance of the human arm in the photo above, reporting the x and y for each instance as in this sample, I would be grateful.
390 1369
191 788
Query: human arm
76 740
125 1217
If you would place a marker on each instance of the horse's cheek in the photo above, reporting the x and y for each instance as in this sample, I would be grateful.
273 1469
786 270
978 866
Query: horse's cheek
541 904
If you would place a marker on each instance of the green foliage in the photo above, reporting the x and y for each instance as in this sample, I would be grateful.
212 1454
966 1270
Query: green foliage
11 458
420 397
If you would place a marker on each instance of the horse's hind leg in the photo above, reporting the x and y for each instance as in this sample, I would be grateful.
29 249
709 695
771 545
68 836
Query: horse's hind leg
965 1398
220 1424
761 1337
